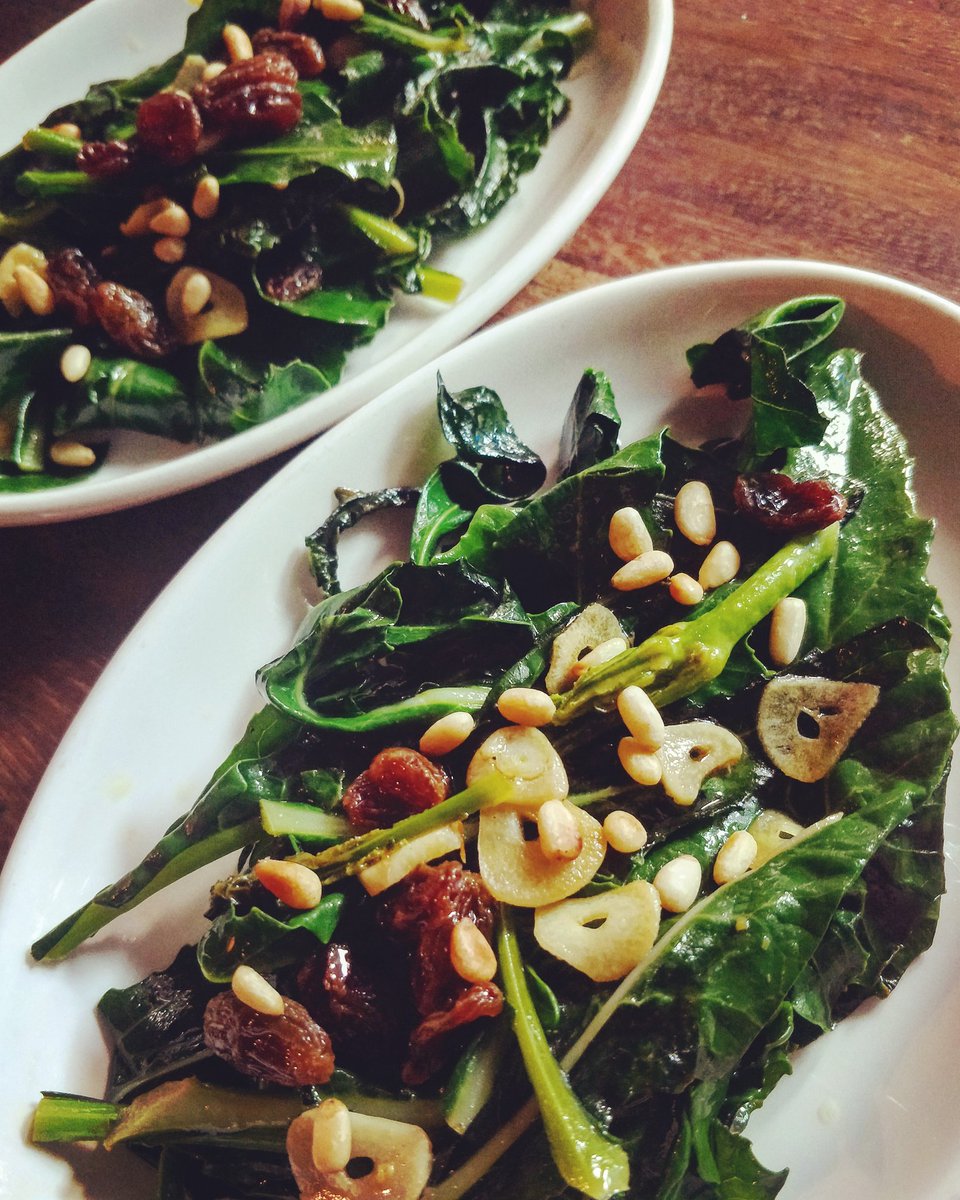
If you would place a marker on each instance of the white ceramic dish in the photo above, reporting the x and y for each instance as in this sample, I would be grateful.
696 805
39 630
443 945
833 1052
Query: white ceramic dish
870 1112
612 93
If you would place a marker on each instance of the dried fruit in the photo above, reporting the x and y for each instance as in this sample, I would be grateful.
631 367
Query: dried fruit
398 781
430 1042
129 319
252 100
105 160
300 280
303 51
290 1050
169 127
780 503
73 279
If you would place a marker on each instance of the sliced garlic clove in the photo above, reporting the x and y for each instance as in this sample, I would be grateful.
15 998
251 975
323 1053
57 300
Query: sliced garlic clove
691 752
773 831
397 864
806 722
589 629
517 871
224 314
524 757
400 1155
604 936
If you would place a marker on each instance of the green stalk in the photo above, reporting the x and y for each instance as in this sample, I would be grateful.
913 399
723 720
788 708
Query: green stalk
353 855
382 28
57 183
15 225
392 238
439 285
47 141
587 1159
680 658
60 1118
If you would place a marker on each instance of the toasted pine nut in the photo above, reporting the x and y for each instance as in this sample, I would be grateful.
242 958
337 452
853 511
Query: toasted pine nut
787 626
685 589
35 290
735 857
195 293
212 70
694 513
72 454
173 221
628 534
331 1143
560 838
75 362
471 955
340 10
720 565
599 654
641 717
138 223
170 249
650 567
206 197
642 766
678 883
625 833
251 989
67 129
526 706
238 44
292 883
446 734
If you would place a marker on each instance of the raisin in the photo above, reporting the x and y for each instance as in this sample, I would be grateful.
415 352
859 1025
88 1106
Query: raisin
128 318
252 100
105 160
73 280
398 782
299 280
780 503
430 1042
303 51
169 127
290 1050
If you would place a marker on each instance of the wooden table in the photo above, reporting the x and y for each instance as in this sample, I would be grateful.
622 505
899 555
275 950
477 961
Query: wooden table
825 129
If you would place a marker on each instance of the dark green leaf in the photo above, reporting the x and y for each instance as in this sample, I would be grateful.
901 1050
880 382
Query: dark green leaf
323 542
592 426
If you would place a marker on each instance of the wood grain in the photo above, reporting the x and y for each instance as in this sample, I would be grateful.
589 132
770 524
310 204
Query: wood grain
822 129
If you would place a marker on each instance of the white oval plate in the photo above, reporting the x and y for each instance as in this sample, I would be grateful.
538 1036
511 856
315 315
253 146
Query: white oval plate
612 93
870 1113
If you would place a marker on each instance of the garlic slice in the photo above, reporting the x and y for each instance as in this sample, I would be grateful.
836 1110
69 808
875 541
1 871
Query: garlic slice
400 1155
524 757
517 871
806 722
604 936
773 831
397 864
225 312
692 751
588 629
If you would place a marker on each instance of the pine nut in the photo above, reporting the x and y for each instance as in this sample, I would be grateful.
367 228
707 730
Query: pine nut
628 534
471 955
170 249
195 293
625 833
72 454
720 565
340 10
75 362
651 567
446 734
212 70
642 766
678 883
67 129
173 221
138 223
35 290
526 706
641 717
331 1141
599 654
788 624
735 857
292 883
694 513
251 989
292 13
685 589
238 44
560 838
206 197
